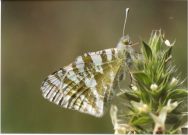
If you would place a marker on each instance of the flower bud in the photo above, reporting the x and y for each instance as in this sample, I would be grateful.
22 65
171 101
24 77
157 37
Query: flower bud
144 108
174 81
120 130
141 107
171 106
134 88
154 86
167 43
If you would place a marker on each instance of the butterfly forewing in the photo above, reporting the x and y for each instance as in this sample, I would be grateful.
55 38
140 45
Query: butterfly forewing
86 84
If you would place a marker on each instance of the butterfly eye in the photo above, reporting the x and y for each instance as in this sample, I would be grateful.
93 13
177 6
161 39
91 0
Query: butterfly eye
126 42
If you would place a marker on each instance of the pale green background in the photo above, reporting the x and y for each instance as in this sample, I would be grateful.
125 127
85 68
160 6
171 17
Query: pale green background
40 37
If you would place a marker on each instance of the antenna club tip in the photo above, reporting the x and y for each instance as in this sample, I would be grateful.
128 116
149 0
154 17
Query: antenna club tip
127 9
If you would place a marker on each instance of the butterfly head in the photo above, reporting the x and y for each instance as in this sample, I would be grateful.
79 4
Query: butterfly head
126 50
124 42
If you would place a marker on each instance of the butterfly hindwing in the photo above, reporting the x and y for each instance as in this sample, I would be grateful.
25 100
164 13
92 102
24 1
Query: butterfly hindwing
85 85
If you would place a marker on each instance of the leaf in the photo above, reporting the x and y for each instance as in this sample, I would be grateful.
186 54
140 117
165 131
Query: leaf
141 77
167 55
147 50
182 107
177 93
168 52
132 96
174 121
158 44
142 120
181 120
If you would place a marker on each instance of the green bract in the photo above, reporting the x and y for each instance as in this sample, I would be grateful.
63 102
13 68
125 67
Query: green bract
156 102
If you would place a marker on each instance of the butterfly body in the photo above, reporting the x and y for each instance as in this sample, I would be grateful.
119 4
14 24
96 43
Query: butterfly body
89 83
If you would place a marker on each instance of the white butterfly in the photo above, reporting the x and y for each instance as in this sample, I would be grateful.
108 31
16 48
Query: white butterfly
88 84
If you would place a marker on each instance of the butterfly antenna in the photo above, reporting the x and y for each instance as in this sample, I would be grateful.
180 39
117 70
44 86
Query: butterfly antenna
126 13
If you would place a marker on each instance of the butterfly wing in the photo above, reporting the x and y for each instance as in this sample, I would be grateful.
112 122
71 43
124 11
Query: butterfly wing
86 84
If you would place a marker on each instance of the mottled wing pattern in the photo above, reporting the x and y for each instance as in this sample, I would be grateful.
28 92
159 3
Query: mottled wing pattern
86 84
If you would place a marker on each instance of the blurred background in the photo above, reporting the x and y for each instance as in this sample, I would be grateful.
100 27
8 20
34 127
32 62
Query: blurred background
39 37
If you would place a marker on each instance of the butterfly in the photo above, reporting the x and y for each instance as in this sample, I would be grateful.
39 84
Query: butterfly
88 84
